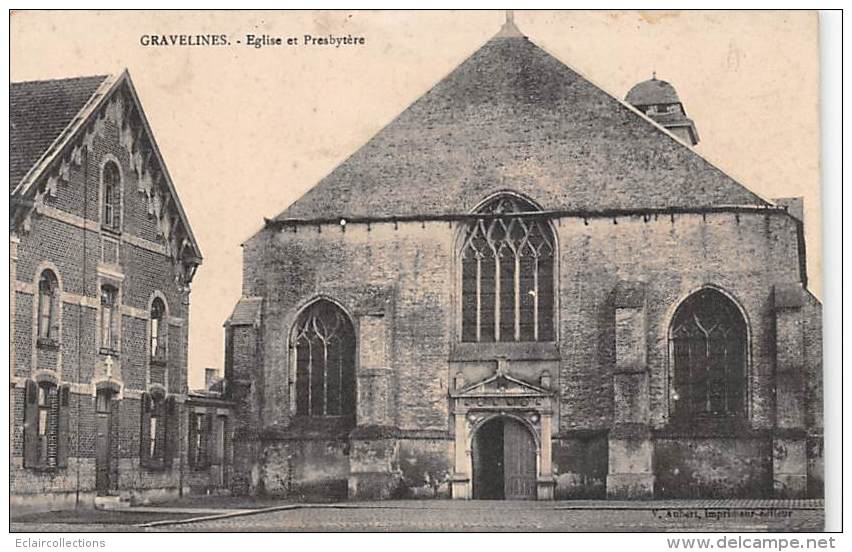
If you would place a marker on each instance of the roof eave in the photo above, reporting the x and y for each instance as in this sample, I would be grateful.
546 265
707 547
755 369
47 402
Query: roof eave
125 77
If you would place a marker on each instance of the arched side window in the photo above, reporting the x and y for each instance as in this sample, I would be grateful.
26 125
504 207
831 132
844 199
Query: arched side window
507 275
48 308
159 330
324 348
111 186
709 349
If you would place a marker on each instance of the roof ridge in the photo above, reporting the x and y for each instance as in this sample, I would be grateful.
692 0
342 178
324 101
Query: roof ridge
61 79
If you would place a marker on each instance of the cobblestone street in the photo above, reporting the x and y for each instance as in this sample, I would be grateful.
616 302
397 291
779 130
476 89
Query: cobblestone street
682 515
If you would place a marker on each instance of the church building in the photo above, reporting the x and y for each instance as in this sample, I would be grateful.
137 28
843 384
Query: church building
525 288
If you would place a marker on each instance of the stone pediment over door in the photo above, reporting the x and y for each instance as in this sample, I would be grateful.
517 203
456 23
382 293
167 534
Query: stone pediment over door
504 399
502 392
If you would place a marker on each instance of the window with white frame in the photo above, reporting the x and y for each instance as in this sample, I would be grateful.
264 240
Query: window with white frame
109 318
111 188
48 308
158 330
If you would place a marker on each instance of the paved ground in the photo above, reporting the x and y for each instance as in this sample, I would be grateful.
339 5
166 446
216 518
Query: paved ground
685 515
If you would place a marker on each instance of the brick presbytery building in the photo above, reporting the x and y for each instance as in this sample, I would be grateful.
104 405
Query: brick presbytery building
523 287
102 257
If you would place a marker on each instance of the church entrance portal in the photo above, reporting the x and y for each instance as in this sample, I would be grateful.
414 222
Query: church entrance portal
504 461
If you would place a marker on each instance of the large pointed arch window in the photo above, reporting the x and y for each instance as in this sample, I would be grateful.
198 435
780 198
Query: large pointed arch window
324 347
507 274
709 344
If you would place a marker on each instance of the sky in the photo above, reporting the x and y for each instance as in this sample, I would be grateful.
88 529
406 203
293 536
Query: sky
246 131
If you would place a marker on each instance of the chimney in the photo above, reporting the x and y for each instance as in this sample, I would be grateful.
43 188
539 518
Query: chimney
210 377
794 205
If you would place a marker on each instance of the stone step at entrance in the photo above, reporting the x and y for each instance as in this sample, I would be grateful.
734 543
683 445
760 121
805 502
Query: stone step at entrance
111 502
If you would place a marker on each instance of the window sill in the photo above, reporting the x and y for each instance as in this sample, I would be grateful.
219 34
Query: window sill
312 427
531 350
157 465
109 352
47 343
707 426
111 230
44 469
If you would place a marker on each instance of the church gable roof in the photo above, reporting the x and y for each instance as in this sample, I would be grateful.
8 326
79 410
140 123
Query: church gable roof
512 116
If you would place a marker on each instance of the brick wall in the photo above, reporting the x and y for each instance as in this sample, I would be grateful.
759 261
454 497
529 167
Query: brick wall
58 240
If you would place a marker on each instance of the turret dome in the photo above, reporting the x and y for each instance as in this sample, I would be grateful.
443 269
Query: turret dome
652 91
659 101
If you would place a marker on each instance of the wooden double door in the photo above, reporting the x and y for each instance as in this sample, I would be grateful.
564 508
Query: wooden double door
504 461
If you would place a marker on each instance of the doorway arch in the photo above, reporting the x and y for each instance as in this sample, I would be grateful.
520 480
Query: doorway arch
504 460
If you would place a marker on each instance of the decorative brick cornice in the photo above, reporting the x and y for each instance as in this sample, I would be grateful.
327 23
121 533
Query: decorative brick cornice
582 214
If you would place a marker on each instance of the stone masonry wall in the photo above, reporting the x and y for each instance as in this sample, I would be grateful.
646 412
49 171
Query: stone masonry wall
411 270
407 272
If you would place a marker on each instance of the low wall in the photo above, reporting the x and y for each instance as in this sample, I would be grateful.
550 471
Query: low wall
713 468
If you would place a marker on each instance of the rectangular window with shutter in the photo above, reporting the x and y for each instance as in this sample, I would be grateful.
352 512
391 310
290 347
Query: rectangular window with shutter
149 433
160 432
152 437
46 425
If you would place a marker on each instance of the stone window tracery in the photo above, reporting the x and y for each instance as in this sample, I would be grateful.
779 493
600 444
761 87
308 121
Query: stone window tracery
709 347
507 275
324 348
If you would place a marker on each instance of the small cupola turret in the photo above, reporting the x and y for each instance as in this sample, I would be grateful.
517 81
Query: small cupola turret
658 100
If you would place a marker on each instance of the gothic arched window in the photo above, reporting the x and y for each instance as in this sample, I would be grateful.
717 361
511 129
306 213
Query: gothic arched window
507 274
709 344
324 346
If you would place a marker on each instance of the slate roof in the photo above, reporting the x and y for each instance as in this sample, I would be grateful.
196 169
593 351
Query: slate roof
38 113
651 92
513 117
246 312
